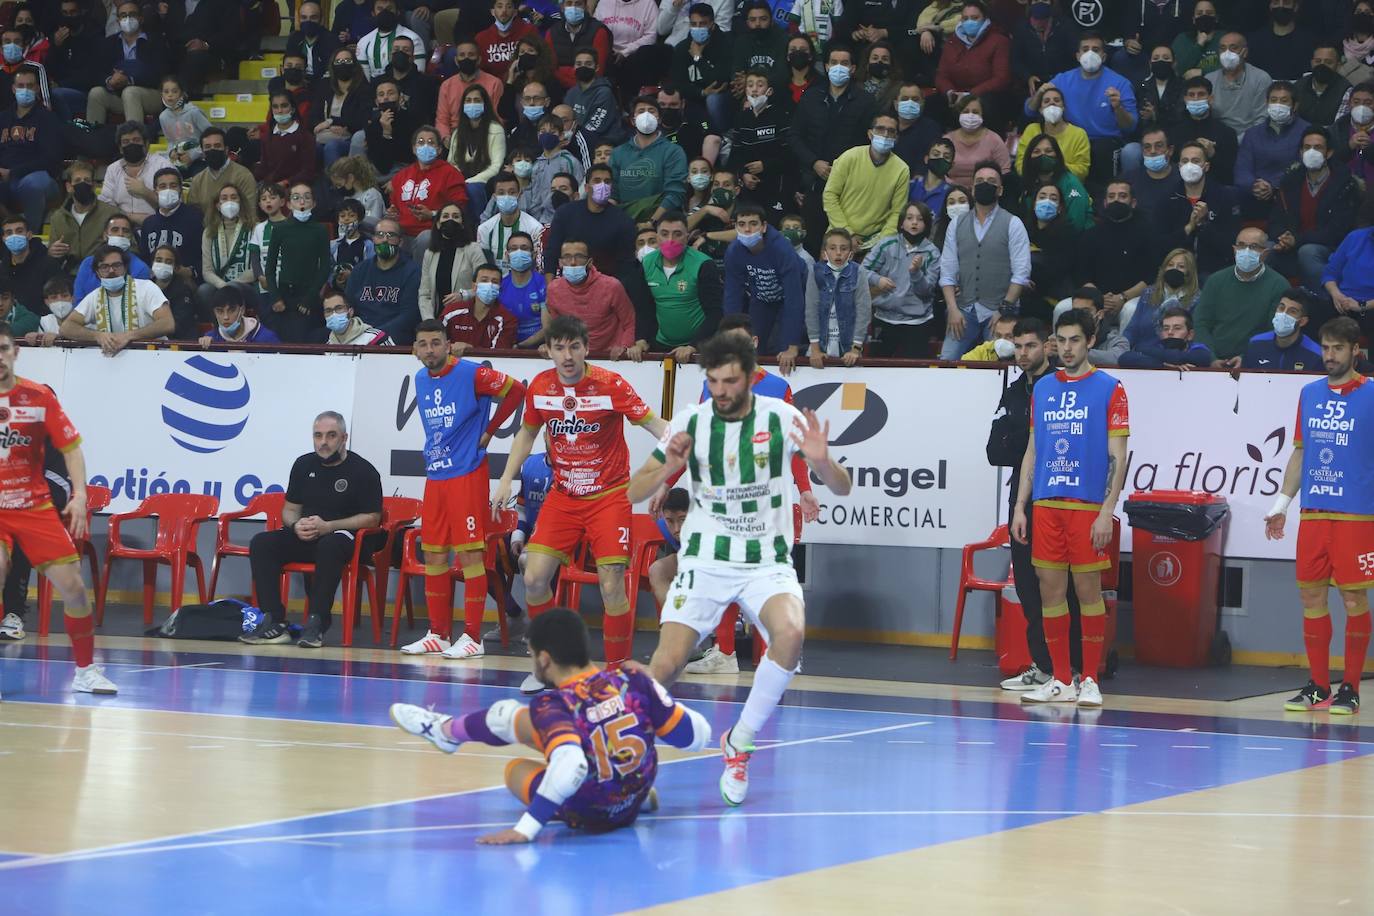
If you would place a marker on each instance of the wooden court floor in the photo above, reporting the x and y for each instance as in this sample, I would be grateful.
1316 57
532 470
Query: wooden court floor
219 765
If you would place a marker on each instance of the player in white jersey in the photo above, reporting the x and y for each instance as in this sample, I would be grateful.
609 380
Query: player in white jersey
737 539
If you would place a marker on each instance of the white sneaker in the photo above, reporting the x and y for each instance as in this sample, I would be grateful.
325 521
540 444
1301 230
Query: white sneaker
423 723
1052 691
714 662
1029 679
92 679
532 685
734 782
430 644
465 647
12 627
1088 693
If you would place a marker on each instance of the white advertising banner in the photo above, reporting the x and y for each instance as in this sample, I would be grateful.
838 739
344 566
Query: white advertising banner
230 424
913 440
47 365
1207 431
387 430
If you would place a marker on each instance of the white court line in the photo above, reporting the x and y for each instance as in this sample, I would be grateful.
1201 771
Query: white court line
171 667
1192 747
1047 743
128 849
1104 744
1248 748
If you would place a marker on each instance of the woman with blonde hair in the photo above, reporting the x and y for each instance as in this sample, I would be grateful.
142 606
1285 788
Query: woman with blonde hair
224 248
356 179
1175 285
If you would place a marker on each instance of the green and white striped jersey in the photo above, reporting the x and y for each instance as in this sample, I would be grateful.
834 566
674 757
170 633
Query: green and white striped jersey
740 474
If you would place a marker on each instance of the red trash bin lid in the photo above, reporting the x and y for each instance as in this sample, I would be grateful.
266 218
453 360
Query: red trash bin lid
1182 497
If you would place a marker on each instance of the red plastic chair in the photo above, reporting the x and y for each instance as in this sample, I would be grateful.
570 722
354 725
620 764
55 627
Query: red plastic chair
265 504
179 516
576 574
97 499
496 560
647 538
968 582
397 513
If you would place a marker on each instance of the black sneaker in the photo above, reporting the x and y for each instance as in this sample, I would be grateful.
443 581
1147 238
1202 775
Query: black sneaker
312 637
268 634
1346 702
1309 698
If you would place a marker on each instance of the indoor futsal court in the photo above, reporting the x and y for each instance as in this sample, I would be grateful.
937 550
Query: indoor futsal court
224 781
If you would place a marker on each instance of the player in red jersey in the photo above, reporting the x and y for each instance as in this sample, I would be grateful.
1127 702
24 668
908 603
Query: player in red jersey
581 408
29 416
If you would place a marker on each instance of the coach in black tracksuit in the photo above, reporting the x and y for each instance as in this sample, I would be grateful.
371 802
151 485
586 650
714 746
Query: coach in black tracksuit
1007 443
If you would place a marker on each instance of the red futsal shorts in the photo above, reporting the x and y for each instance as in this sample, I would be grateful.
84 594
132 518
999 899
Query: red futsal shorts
565 521
1335 551
39 533
455 511
1062 539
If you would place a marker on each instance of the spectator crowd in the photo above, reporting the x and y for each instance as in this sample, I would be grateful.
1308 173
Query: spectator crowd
872 178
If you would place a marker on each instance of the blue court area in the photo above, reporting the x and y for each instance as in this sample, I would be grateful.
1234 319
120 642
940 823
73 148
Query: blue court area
840 778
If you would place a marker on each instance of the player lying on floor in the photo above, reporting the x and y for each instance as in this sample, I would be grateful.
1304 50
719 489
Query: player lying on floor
595 728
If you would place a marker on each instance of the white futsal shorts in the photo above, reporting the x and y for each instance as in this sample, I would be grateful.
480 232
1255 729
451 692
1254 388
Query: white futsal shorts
700 594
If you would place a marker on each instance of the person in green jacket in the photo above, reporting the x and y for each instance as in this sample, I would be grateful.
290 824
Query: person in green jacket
20 319
1045 163
298 267
649 170
1237 304
687 290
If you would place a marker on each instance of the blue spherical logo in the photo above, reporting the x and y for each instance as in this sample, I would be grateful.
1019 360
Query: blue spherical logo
205 405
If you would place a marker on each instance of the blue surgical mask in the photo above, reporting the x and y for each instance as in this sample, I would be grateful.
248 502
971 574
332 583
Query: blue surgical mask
473 109
488 291
533 112
507 203
232 329
336 322
302 216
748 239
971 28
839 75
25 97
574 14
883 144
909 109
700 33
1284 324
1198 107
521 260
1156 163
426 154
283 118
575 274
16 243
1247 260
1046 209
113 284
13 53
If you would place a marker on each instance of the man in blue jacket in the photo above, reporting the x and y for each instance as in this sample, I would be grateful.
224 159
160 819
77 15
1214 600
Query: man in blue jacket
385 290
1099 100
763 277
1175 348
135 63
29 145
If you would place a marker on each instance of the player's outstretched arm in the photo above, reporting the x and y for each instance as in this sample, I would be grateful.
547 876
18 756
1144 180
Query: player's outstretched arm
519 451
662 464
1278 513
812 439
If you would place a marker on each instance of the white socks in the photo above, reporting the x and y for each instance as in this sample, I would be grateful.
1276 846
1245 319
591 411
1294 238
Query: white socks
770 682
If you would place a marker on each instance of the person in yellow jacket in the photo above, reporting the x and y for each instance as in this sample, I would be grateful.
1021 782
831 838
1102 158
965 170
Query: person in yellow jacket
999 347
868 186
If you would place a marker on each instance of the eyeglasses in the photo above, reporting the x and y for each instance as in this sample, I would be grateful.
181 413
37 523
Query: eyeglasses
109 268
302 198
387 235
574 259
344 60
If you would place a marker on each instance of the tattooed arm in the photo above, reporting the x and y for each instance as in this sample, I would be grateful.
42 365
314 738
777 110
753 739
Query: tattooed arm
1116 479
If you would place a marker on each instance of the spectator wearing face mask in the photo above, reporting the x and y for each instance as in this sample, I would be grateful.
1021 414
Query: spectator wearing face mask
351 247
25 264
1239 88
497 42
175 224
839 302
58 304
232 324
577 30
219 171
868 187
224 247
554 159
132 63
385 290
453 91
997 349
494 233
375 48
1239 303
593 102
479 323
1286 348
596 299
649 171
119 234
1283 48
1315 207
1073 141
977 59
346 329
605 228
314 43
78 225
906 274
1116 256
298 267
1201 125
420 191
1042 45
389 131
1267 150
1322 90
759 151
1350 135
449 264
1175 348
128 182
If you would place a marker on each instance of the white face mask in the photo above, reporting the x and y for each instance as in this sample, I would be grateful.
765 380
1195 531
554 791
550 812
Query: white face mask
60 308
1004 348
1313 159
1230 60
956 210
168 198
1190 172
645 252
119 242
162 271
757 101
129 25
646 122
970 121
1052 114
1362 114
229 209
1091 61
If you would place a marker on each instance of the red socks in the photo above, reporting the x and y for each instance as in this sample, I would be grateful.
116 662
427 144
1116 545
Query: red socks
81 631
618 634
538 607
439 602
1094 632
1057 641
1316 634
725 631
1356 645
474 601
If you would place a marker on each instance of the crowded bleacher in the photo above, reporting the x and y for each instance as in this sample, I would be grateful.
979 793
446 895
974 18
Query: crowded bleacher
876 178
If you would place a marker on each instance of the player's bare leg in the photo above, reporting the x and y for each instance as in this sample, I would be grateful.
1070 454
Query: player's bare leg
76 609
1054 594
784 618
1316 636
675 644
618 625
469 642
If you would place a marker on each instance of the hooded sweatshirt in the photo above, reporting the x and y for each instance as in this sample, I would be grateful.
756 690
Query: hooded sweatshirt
656 173
771 277
598 115
762 49
600 301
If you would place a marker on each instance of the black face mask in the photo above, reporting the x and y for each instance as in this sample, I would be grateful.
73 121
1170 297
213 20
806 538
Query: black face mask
311 30
672 118
1362 23
386 20
467 66
527 61
1322 74
389 106
345 71
557 199
1117 211
83 192
74 22
799 60
985 194
1173 278
1161 70
1282 16
216 158
879 70
585 74
1046 162
1174 343
133 153
293 75
450 230
400 61
913 237
1205 23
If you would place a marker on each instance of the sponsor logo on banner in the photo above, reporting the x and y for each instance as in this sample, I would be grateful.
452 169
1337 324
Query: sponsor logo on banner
205 405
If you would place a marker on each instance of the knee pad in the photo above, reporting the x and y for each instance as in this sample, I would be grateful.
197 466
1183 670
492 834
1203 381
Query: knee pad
501 719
